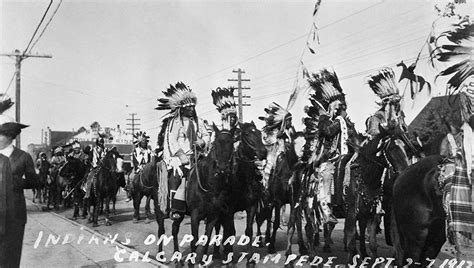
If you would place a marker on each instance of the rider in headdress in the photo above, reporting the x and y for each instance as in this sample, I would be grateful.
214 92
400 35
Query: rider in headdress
334 130
182 137
58 158
223 99
98 151
389 114
96 155
141 156
78 153
278 133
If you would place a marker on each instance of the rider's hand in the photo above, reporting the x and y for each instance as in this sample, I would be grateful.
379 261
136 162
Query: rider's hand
200 143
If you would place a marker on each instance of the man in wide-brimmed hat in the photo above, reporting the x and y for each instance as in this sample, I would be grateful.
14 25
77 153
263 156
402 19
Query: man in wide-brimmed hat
12 199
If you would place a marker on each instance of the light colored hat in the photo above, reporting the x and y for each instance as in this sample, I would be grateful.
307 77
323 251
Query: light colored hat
76 144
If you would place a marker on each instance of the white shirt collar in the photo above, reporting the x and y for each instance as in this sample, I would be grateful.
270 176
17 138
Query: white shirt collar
7 151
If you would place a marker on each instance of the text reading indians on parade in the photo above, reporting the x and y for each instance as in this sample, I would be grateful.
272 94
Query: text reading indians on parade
151 240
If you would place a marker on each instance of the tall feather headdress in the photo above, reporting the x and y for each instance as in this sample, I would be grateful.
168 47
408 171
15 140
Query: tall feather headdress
223 99
176 97
276 114
383 83
139 137
326 87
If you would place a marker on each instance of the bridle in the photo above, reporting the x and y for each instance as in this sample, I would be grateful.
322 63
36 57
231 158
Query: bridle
250 146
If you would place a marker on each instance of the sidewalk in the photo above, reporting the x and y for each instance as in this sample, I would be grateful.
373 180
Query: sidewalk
70 250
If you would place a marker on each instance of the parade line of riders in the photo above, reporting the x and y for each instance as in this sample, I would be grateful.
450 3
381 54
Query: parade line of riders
330 139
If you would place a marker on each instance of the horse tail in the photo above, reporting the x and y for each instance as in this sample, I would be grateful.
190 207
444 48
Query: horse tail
396 239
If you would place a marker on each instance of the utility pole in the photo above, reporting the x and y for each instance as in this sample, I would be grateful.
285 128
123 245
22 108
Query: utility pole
240 95
133 126
19 57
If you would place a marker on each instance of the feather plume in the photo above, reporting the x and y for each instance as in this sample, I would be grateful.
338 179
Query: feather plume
223 99
5 103
326 87
383 83
139 137
276 114
177 96
459 52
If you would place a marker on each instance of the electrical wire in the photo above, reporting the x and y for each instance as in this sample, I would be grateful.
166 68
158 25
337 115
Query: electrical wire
11 81
47 24
37 27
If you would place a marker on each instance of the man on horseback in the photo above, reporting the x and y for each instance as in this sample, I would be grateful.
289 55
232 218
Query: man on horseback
334 131
223 99
58 158
278 134
182 137
78 153
141 156
95 157
390 114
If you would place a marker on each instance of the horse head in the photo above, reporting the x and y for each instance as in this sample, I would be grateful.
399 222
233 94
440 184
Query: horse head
251 142
222 150
109 161
392 147
72 169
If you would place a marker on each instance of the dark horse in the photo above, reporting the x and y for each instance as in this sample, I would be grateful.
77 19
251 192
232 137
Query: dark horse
281 192
418 221
208 191
73 174
247 191
365 189
145 183
104 186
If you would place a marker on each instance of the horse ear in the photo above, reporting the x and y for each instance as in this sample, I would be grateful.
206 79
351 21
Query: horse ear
215 127
253 123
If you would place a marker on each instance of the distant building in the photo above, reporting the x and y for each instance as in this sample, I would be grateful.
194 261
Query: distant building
116 136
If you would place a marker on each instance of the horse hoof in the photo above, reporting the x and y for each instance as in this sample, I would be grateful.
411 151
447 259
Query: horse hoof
147 221
107 223
217 255
95 224
84 217
135 220
89 220
327 249
73 218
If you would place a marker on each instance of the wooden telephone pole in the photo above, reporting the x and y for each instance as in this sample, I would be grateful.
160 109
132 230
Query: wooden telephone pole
19 57
240 95
133 126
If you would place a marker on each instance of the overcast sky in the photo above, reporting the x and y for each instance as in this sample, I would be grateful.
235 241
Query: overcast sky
112 58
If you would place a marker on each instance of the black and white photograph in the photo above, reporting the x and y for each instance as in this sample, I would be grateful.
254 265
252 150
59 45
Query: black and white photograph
236 133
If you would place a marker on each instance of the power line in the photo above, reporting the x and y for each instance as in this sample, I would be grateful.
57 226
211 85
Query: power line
11 81
37 28
47 24
290 41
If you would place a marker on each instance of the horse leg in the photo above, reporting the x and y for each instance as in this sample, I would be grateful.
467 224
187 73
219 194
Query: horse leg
95 213
350 234
160 218
299 228
216 253
209 227
229 230
175 231
137 199
251 211
107 211
276 225
372 224
434 241
147 209
34 195
362 227
290 231
195 229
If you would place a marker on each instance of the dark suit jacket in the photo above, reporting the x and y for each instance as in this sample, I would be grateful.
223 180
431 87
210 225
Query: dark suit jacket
6 192
22 166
